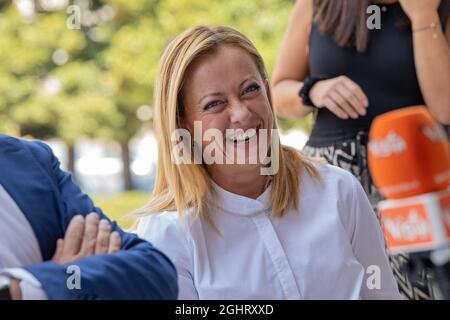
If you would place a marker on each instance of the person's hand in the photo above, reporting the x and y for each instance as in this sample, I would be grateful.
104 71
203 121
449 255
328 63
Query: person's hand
86 237
420 11
14 290
341 96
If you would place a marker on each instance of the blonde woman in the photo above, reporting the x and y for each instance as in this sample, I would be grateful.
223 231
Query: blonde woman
280 227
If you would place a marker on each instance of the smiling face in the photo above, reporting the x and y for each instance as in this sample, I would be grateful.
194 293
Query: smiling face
225 91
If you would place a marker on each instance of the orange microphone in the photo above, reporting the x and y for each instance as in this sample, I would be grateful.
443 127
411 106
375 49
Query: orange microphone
408 153
409 160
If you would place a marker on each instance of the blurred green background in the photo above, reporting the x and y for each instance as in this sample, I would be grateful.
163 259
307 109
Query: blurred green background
86 68
119 206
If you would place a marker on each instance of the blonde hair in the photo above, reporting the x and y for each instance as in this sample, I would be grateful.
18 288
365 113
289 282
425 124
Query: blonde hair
183 186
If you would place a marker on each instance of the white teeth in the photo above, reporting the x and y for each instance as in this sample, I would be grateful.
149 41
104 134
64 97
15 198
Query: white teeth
242 137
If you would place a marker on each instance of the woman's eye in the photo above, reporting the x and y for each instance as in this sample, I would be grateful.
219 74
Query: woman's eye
251 88
211 104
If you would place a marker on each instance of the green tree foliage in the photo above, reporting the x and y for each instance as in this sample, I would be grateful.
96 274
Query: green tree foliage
57 81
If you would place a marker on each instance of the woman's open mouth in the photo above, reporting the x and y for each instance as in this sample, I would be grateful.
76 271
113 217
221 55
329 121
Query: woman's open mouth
240 136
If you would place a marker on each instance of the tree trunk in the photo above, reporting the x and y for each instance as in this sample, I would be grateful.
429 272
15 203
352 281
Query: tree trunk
71 160
127 182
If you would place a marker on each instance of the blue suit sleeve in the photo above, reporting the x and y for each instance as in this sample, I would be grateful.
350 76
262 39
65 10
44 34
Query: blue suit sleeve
137 271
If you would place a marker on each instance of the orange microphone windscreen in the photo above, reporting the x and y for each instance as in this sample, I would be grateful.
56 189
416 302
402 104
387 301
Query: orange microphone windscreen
408 153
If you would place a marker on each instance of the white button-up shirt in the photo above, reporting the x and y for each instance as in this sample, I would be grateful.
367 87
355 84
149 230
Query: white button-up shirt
18 247
331 247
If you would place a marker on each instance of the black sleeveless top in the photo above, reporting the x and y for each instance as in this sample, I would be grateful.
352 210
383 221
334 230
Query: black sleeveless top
385 72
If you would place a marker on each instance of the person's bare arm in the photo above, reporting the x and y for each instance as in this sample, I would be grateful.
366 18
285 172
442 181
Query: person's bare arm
431 56
292 63
343 97
447 32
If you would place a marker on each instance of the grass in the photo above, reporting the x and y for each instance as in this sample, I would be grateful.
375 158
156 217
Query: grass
117 207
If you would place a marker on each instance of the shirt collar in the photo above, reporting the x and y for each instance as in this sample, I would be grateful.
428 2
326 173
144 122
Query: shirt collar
240 205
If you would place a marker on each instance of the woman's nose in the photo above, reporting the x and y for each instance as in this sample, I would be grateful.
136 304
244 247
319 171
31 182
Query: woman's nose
239 113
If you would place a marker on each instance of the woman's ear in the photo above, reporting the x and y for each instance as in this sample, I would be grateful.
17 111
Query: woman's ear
183 124
267 84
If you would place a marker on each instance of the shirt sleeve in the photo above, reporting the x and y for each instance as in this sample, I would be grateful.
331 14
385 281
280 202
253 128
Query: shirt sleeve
166 233
369 247
30 286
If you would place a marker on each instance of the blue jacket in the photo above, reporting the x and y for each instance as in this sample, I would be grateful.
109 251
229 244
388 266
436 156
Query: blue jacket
31 174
